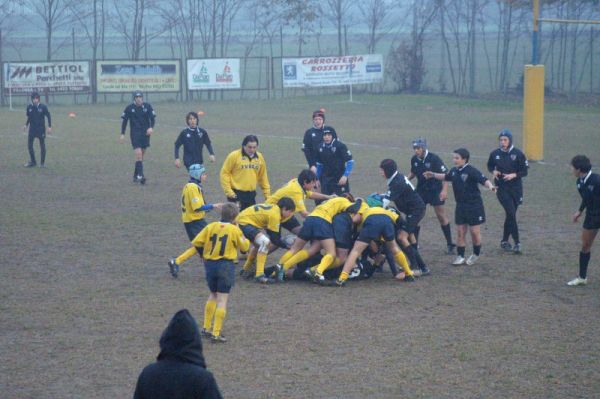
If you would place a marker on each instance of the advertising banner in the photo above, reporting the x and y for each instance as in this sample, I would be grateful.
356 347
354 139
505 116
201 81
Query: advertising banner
146 75
203 74
332 71
47 77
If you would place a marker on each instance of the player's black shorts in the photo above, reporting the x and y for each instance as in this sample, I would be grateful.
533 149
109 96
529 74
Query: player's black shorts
411 223
249 231
290 224
140 140
430 197
315 228
220 275
376 226
591 222
39 134
194 228
342 230
471 214
509 197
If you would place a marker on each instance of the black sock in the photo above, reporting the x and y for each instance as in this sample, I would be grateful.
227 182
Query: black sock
410 254
416 233
447 233
418 257
584 259
140 168
476 250
136 169
460 251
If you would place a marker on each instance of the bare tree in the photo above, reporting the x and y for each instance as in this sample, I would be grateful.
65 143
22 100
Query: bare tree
338 9
129 19
375 13
300 14
55 15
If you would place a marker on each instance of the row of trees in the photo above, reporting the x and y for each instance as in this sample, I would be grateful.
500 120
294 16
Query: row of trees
466 41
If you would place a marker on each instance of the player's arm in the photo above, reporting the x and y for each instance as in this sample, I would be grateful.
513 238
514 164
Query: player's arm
522 170
491 163
275 238
243 244
178 144
438 176
125 117
151 116
319 196
47 114
307 148
226 176
349 164
481 179
209 146
27 121
263 178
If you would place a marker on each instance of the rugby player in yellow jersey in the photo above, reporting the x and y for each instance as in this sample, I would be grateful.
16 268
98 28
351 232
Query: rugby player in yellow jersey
242 171
261 224
318 228
219 243
193 210
376 223
298 190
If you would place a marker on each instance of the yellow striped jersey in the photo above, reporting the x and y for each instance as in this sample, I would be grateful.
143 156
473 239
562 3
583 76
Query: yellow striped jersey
328 209
377 210
221 240
192 199
293 190
243 173
262 216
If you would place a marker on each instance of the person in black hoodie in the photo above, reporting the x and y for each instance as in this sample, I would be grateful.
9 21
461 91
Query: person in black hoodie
180 370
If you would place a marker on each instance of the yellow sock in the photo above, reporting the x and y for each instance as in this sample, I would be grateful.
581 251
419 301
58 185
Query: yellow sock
344 276
186 255
249 261
286 256
297 258
325 263
261 260
209 314
401 260
219 317
313 269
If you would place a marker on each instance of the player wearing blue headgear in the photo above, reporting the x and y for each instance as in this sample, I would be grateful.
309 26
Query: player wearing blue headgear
509 165
193 211
433 192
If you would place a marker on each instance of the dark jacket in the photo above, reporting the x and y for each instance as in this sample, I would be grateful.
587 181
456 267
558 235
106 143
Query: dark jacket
407 200
180 371
141 118
193 141
35 119
313 138
507 162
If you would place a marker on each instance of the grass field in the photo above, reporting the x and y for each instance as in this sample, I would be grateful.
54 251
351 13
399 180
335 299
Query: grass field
85 290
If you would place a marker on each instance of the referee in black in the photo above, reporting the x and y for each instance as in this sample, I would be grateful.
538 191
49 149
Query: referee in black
588 185
36 114
193 139
508 165
141 118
